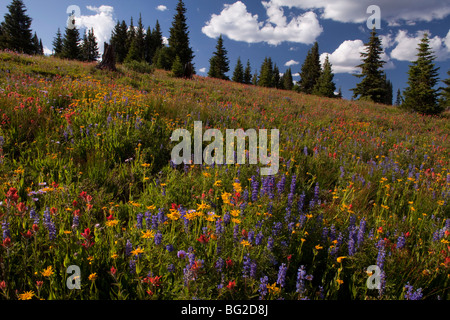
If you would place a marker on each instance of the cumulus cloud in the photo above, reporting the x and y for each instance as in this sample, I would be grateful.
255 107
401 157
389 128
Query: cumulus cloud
347 57
291 63
394 12
202 70
240 25
161 7
102 22
406 46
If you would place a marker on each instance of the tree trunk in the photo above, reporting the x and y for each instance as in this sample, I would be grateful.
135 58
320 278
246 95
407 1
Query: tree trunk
108 59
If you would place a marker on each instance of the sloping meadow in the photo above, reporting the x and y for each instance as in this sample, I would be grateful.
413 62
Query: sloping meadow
359 207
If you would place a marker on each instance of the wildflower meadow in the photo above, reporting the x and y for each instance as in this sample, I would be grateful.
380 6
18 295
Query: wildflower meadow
92 207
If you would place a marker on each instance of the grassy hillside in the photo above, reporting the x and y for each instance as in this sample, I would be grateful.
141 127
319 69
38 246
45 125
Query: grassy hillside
85 180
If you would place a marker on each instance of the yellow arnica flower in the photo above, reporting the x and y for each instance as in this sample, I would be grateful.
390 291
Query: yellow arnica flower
218 183
26 295
318 247
245 243
339 281
137 251
273 288
111 223
114 256
92 276
47 272
226 197
148 234
203 206
237 221
235 213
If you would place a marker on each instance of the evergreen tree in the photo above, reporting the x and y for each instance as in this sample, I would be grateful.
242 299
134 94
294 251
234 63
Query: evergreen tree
373 84
149 48
2 41
71 48
89 47
266 73
163 58
140 40
389 95
177 68
339 94
58 44
219 63
35 41
255 78
248 73
445 94
41 48
16 29
179 37
325 86
399 99
420 95
286 80
157 36
310 71
119 40
238 74
276 77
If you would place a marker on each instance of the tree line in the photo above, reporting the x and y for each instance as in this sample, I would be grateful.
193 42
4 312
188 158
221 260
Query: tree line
147 46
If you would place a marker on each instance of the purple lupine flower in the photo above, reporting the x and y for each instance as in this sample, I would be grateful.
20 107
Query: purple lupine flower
305 151
301 202
411 295
75 221
281 280
246 266
401 241
49 224
132 266
270 243
316 192
148 219
259 238
362 229
191 257
281 184
155 222
351 247
161 216
226 218
169 247
300 285
6 231
251 236
276 228
255 187
139 218
34 216
263 287
324 233
128 248
219 227
342 171
381 254
171 268
235 232
158 238
293 183
220 263
253 267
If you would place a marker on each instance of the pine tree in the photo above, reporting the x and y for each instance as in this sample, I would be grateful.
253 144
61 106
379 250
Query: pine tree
389 95
179 37
248 73
276 77
310 71
266 73
16 29
157 36
177 68
445 94
89 47
286 80
140 40
41 48
219 63
420 95
35 41
325 86
119 40
131 34
255 78
57 44
399 99
373 85
339 94
163 58
71 48
238 74
2 39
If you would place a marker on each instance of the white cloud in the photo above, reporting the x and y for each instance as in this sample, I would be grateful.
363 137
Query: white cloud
240 25
161 7
102 22
165 41
202 70
406 46
346 57
394 12
291 63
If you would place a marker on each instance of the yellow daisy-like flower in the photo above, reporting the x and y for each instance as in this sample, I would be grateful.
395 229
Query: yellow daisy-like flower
26 295
235 213
148 234
151 207
226 197
114 256
47 272
318 247
174 215
203 206
237 187
245 243
218 183
339 281
237 221
111 223
273 288
137 251
92 276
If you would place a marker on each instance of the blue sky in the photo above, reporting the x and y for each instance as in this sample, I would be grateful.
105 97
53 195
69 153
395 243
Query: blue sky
281 29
